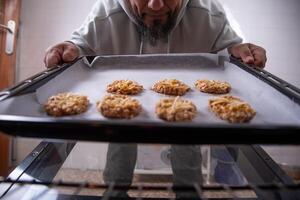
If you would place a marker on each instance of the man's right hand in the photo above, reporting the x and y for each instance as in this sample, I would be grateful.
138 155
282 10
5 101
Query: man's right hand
61 53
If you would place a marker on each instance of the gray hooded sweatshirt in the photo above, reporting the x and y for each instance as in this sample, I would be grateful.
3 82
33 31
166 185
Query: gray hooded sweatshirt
111 29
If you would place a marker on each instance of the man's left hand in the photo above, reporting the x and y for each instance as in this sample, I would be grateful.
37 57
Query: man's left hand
250 54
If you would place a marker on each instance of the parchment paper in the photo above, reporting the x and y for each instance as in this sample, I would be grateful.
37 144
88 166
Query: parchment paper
272 107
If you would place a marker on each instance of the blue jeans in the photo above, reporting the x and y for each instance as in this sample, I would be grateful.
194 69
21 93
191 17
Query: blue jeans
226 171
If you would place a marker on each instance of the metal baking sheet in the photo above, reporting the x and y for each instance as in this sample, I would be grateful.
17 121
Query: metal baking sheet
273 108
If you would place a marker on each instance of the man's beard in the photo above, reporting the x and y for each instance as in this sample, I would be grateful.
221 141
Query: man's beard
157 31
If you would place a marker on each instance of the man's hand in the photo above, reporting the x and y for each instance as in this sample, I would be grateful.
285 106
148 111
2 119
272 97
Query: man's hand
250 54
61 53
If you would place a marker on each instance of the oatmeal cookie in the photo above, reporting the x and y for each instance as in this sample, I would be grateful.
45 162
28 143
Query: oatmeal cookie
126 87
232 109
171 87
213 86
175 109
64 104
119 106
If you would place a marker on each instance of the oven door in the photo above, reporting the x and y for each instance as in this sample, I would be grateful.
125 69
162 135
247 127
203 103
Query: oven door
55 171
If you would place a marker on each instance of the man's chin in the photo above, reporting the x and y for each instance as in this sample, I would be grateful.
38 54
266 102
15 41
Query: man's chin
156 29
150 22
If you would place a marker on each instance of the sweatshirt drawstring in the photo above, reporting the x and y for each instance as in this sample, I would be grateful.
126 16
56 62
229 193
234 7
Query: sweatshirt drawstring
141 45
168 47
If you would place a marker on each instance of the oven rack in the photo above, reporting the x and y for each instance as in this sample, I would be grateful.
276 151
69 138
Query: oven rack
79 186
266 179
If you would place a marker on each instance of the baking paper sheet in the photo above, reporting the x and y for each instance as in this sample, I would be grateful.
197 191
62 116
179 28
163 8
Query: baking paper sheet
272 107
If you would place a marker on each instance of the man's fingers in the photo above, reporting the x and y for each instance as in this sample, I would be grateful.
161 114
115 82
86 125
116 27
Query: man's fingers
260 60
259 54
53 58
246 55
250 54
60 53
243 52
70 53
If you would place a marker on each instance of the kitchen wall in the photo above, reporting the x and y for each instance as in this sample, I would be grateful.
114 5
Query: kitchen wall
44 23
273 24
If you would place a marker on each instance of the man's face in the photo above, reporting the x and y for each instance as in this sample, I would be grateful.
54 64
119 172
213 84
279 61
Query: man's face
155 12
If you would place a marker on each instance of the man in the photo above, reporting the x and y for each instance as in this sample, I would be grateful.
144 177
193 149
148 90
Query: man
154 26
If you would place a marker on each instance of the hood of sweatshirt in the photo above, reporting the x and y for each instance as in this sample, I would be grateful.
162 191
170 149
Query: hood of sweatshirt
110 28
127 8
143 45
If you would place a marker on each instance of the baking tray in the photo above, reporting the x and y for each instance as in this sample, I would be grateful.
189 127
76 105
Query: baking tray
276 102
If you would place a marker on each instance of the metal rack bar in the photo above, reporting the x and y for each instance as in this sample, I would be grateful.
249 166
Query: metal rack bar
259 169
220 187
170 191
34 82
140 188
199 191
26 163
282 86
35 164
255 164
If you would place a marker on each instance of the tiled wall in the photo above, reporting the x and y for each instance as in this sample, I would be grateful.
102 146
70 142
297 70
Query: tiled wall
273 24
